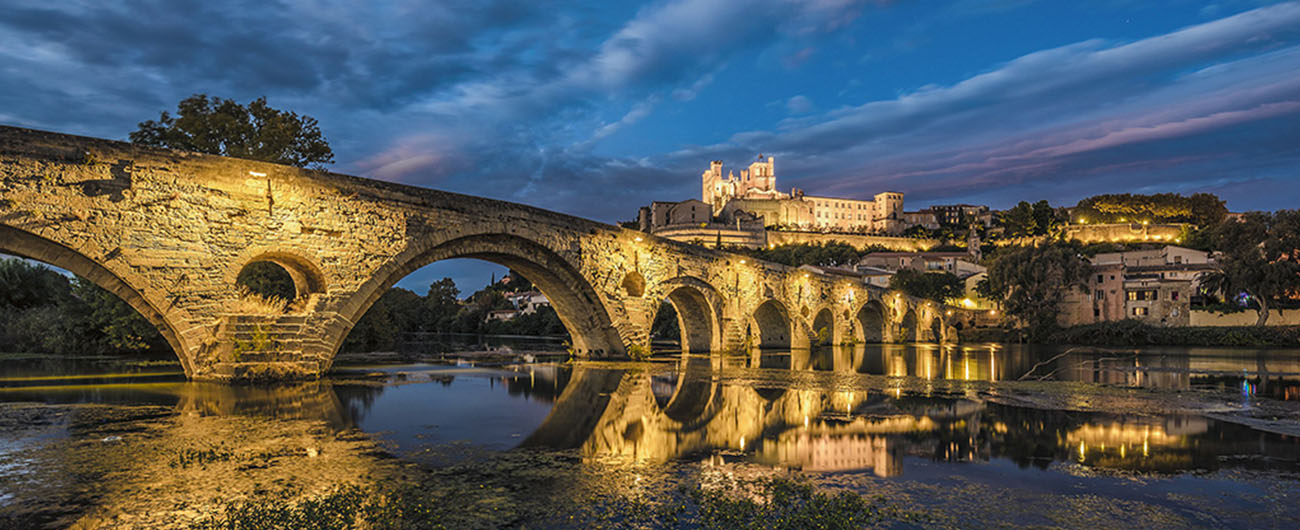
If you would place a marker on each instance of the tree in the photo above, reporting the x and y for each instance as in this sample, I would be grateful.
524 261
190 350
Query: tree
1202 209
1029 283
441 305
937 286
1020 220
1260 257
223 127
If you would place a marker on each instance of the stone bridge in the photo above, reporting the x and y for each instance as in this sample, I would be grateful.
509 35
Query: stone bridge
170 231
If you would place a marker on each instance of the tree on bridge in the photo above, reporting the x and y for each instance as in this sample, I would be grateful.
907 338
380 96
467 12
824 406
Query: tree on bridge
223 127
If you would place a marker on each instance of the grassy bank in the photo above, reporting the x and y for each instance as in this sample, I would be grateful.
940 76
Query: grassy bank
1134 333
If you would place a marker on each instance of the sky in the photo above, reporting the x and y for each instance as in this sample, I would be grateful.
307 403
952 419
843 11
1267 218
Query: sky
594 109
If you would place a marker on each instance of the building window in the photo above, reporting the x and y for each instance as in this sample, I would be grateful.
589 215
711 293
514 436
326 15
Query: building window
1173 295
1140 311
1096 312
1098 278
1143 295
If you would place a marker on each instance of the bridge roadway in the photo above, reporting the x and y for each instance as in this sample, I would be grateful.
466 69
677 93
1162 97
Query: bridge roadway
170 231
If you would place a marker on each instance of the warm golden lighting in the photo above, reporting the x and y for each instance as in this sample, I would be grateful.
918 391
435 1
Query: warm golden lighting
742 262
967 302
993 312
637 239
257 173
1083 221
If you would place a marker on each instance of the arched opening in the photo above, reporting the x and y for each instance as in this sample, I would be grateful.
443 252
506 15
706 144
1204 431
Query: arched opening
556 283
265 287
907 328
936 329
695 320
871 322
770 326
666 328
823 328
23 244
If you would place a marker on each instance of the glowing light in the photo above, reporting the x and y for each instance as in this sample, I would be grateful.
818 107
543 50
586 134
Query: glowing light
742 443
257 173
637 239
742 262
967 302
1083 450
993 312
1083 221
1144 222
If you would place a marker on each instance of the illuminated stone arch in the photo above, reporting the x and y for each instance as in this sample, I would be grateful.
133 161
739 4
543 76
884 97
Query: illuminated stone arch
579 308
698 306
870 322
25 244
770 326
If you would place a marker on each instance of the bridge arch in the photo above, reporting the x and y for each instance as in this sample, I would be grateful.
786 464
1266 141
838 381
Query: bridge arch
577 304
771 326
824 332
308 278
870 322
25 244
907 326
697 305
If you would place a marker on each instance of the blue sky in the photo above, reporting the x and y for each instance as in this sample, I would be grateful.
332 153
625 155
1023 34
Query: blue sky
594 109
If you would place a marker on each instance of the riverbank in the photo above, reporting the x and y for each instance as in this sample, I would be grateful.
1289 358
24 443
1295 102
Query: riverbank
1133 333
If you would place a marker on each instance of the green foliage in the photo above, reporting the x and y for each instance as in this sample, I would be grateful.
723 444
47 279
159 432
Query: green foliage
267 279
1260 257
42 311
1202 209
937 286
1030 220
223 127
1029 283
638 352
1136 333
829 254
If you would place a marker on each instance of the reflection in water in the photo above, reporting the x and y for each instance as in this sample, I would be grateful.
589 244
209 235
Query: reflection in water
691 414
809 410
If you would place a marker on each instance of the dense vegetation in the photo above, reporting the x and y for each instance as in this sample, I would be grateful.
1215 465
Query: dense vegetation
1135 333
223 127
1030 220
1260 258
1029 283
1202 209
403 311
937 286
42 311
829 254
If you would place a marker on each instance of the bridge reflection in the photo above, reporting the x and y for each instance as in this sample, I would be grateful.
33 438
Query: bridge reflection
716 408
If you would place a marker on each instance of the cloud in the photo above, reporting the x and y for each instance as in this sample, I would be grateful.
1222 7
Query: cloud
799 104
1062 111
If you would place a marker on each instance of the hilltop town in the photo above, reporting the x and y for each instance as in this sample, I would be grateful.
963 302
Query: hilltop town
1161 261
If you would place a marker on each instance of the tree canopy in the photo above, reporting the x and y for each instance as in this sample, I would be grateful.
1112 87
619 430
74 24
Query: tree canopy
223 127
43 311
1201 209
1260 257
1029 220
937 286
829 254
1029 283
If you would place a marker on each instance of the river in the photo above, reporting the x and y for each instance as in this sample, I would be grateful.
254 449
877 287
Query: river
951 436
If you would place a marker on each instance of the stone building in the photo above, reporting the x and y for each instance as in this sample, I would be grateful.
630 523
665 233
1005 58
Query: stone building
754 191
1154 286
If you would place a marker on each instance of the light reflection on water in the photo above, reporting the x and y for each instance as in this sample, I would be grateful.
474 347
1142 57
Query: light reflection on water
839 410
